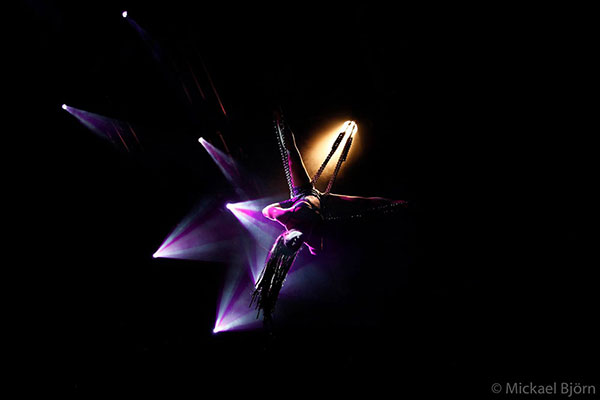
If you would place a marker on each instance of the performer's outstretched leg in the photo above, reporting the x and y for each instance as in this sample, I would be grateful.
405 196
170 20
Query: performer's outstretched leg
341 206
300 178
301 182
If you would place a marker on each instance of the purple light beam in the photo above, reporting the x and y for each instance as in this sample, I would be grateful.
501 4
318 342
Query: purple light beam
227 166
151 43
234 313
205 234
107 128
263 231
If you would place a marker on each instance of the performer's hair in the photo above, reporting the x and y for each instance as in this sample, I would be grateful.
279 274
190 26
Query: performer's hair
278 263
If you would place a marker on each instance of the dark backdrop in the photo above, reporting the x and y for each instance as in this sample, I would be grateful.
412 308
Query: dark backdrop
477 116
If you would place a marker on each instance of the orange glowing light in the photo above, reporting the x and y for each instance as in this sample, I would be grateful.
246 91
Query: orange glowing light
318 148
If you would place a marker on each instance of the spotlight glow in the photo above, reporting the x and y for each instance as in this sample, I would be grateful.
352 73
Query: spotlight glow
264 231
115 131
236 321
124 14
351 128
233 312
227 165
203 235
316 151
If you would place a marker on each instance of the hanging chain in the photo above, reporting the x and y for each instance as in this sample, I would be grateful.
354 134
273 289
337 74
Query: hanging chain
336 144
279 125
340 161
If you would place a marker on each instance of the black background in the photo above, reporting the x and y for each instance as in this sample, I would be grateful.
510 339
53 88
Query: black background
478 116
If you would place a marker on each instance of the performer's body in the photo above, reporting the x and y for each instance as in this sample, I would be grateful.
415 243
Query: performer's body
304 211
303 216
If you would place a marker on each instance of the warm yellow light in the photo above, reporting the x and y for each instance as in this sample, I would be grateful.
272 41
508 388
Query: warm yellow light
317 149
350 128
346 125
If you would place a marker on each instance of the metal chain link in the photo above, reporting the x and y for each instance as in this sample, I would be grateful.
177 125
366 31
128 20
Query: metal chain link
336 144
342 158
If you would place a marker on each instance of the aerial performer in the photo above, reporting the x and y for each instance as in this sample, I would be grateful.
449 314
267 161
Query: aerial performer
307 213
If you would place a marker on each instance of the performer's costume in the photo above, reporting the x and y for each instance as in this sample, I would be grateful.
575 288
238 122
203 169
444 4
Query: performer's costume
306 213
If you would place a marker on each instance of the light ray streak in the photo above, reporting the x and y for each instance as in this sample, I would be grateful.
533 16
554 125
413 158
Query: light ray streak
102 126
196 82
205 234
212 85
228 167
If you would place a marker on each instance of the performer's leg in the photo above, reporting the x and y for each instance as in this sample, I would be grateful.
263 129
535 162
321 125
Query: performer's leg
337 205
299 175
298 171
